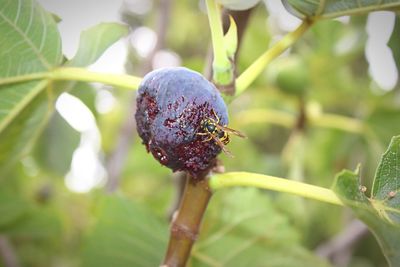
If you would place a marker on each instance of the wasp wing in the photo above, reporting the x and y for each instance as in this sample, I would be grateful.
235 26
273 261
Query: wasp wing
232 131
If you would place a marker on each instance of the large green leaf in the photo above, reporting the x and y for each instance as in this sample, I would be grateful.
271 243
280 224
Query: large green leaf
95 41
126 234
12 207
335 8
37 223
394 43
381 211
92 44
37 236
55 147
383 121
30 44
386 187
243 228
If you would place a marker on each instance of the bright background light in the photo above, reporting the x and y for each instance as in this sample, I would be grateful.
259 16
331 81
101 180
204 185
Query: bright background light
143 39
380 25
279 18
87 170
166 58
382 66
75 112
105 101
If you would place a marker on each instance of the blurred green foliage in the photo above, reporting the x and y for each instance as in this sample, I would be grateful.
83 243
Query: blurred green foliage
48 225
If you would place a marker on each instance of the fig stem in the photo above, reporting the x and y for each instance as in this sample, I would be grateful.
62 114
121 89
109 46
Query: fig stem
186 222
231 179
78 74
255 69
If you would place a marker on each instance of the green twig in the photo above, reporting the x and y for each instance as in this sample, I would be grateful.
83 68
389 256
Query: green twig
274 183
78 74
84 75
338 122
272 116
217 34
222 69
255 69
285 119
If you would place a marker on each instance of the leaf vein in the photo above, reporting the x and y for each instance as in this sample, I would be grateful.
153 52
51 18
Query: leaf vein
29 42
44 32
30 19
18 12
22 104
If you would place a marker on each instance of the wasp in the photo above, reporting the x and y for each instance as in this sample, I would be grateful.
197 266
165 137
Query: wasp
219 133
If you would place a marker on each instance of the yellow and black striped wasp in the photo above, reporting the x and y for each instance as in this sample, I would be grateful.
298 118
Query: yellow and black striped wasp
219 133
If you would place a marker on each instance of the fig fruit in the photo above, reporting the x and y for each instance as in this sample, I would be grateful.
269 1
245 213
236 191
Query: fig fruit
172 103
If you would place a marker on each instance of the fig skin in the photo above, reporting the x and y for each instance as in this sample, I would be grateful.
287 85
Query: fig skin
171 104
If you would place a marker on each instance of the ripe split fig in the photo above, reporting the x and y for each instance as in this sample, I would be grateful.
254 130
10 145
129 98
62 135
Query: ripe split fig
172 103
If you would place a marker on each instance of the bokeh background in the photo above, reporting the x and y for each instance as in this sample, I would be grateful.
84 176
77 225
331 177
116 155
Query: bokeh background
90 195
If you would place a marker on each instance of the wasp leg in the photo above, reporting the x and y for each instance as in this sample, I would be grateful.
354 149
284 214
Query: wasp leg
216 116
202 134
222 146
208 139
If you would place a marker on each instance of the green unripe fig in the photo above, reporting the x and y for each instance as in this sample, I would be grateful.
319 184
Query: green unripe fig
292 75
